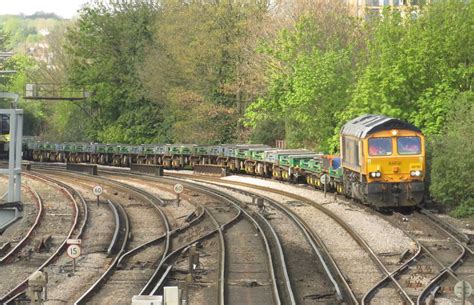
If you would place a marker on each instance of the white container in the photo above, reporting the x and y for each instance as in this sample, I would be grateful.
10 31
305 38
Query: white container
147 300
172 295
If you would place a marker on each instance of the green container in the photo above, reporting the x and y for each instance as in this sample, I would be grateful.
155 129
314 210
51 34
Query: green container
295 160
82 148
201 150
49 146
336 174
243 151
103 148
181 149
313 166
258 154
148 149
280 157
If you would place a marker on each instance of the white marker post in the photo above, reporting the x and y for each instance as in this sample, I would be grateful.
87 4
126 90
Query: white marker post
73 251
325 181
178 189
98 190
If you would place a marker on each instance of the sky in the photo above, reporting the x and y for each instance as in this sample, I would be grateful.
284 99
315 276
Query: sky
63 8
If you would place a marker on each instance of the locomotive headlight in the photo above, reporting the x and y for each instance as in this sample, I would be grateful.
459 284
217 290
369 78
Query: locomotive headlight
416 173
375 174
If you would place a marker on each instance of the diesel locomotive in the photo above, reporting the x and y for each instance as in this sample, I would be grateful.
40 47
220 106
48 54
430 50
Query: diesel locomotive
382 160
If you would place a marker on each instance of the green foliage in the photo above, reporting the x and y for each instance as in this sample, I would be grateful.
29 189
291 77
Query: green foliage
267 132
310 74
417 66
195 71
26 30
106 45
15 83
452 162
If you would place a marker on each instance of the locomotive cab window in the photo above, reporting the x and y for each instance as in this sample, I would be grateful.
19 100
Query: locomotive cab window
380 146
409 145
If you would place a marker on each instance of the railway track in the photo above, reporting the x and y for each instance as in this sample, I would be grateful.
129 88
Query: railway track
396 294
117 248
50 228
196 229
122 281
315 244
441 259
241 287
114 172
21 243
447 265
313 280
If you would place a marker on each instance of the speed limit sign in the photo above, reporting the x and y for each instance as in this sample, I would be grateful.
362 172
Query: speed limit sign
74 251
325 179
97 190
178 188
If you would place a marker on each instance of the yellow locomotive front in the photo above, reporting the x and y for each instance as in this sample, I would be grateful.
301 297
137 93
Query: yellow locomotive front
383 161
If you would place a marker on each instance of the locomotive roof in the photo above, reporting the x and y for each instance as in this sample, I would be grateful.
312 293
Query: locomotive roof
370 123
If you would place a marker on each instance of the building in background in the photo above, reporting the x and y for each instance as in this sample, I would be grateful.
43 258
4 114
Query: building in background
364 8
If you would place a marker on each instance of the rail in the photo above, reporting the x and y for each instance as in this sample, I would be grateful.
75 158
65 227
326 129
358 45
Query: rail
362 243
334 274
28 234
125 226
461 240
115 237
21 287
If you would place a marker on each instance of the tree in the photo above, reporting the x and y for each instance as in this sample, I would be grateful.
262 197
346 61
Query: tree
417 66
106 46
310 72
198 67
452 160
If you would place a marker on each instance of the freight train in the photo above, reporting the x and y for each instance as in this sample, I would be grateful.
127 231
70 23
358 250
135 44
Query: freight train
382 160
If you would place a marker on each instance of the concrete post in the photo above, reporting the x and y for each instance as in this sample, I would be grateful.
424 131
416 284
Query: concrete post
15 148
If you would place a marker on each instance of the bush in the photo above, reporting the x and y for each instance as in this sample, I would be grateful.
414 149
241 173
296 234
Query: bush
452 171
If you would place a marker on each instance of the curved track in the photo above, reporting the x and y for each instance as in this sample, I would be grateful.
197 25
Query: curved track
29 234
51 225
241 287
141 213
315 244
398 289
